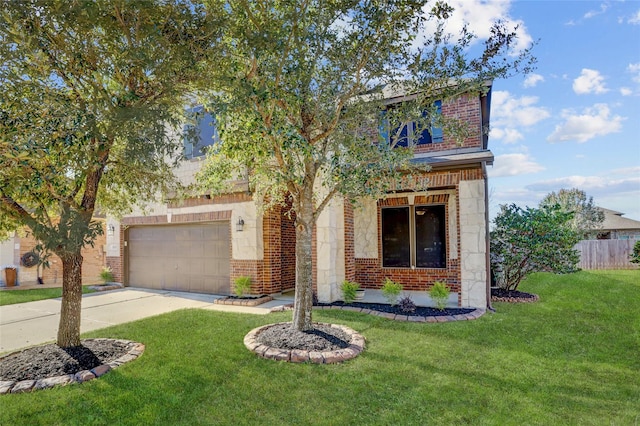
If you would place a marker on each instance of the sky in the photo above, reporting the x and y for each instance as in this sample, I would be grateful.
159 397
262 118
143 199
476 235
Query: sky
574 122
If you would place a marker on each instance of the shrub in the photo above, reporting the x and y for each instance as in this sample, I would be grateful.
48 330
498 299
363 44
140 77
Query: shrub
242 285
391 290
106 275
349 291
532 240
406 304
635 254
440 294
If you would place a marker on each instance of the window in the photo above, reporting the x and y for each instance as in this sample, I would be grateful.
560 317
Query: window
414 236
199 133
408 134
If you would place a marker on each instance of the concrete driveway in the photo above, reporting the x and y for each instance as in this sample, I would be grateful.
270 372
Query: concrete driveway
34 323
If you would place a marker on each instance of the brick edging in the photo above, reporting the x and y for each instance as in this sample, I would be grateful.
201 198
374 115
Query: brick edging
243 302
356 346
135 350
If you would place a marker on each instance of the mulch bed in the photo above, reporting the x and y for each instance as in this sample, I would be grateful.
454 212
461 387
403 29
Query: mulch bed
420 311
50 360
322 338
512 296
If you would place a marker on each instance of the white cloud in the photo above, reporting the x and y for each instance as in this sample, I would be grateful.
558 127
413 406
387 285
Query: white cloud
625 91
589 82
511 115
480 15
595 186
635 18
532 80
592 13
513 165
635 70
592 122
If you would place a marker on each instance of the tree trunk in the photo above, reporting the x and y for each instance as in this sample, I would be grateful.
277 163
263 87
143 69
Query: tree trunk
303 304
69 328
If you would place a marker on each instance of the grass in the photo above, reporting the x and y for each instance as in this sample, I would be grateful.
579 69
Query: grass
10 297
571 359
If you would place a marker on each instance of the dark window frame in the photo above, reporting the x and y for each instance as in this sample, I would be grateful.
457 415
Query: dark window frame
429 135
403 249
204 130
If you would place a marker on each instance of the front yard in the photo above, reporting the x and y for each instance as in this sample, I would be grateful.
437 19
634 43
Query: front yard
572 358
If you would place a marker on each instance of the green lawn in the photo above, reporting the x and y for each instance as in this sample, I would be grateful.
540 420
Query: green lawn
571 359
10 297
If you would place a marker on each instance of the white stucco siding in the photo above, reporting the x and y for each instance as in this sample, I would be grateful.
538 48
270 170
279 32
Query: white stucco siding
473 244
330 251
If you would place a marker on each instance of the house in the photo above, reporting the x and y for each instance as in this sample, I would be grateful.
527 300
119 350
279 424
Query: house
20 247
616 227
412 236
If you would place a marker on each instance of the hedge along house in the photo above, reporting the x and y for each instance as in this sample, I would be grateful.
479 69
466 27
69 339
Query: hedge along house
412 236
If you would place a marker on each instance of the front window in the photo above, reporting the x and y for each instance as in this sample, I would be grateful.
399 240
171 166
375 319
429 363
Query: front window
414 237
199 133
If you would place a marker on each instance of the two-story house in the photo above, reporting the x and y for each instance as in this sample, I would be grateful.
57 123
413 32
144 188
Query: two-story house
412 236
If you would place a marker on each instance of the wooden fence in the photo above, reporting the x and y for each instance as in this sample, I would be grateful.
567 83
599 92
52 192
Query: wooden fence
605 254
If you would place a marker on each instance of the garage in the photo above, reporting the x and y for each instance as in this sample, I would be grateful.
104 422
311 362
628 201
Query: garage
189 257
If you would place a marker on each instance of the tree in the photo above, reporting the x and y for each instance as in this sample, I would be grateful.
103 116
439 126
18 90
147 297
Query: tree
91 91
532 240
587 217
634 257
299 88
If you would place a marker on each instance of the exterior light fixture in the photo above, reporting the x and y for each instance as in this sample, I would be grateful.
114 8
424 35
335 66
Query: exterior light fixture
240 225
111 230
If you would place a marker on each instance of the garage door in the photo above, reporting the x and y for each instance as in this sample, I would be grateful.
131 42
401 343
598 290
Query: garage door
192 258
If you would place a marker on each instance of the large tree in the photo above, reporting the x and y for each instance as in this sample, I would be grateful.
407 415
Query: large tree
587 217
90 93
299 89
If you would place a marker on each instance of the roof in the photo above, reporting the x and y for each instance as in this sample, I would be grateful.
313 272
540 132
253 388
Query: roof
613 220
455 157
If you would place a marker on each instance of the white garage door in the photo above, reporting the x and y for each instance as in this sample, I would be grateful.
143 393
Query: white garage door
192 257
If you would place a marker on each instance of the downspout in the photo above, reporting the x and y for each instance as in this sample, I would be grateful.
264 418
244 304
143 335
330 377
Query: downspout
487 242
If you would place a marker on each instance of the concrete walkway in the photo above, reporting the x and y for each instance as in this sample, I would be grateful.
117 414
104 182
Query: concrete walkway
34 323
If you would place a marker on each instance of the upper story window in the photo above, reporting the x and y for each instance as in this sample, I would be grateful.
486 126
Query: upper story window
410 133
199 133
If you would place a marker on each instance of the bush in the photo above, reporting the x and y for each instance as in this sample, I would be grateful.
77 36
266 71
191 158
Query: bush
634 257
440 294
349 291
391 290
242 285
406 305
106 275
532 240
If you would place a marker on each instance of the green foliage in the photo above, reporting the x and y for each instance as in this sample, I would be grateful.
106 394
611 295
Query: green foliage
634 257
349 289
299 88
242 285
439 293
391 290
587 218
92 95
106 275
532 240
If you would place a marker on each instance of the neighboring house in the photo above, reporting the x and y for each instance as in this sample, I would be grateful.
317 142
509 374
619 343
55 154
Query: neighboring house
18 250
616 227
412 236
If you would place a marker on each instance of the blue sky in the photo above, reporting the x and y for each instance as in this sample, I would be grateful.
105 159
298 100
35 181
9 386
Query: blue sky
574 122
